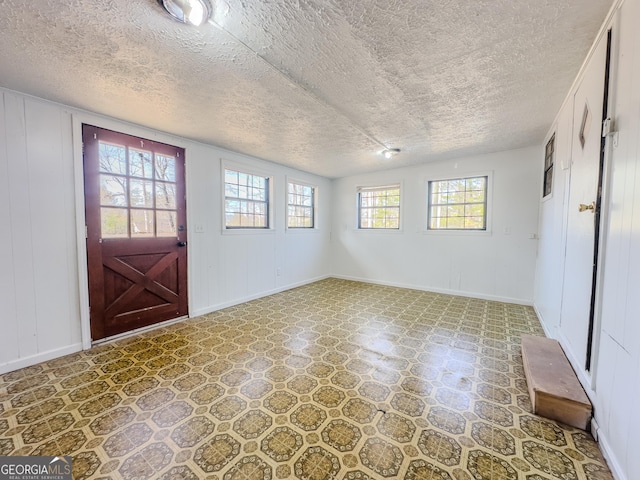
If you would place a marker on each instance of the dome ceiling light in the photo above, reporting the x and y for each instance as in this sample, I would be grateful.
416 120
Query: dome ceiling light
390 152
192 12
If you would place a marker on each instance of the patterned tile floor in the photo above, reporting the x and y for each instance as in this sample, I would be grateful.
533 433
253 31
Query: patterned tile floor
333 380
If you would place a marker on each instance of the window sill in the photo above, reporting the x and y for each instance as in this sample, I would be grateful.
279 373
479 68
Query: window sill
547 198
301 231
247 231
459 233
378 231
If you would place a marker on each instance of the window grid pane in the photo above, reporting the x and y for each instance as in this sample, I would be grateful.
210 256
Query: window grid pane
246 200
300 206
379 208
143 185
458 204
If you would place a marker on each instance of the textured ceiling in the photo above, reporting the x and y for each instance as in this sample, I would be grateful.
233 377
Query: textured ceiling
317 85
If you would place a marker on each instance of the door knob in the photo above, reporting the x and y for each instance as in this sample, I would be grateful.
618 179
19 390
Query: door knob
584 208
182 244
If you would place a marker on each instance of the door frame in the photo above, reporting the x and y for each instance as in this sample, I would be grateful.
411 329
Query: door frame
599 232
78 119
612 25
588 377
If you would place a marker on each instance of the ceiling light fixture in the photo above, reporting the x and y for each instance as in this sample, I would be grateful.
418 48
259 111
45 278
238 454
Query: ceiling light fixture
193 12
390 152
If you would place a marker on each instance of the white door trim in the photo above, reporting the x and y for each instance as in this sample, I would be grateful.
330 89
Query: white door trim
78 119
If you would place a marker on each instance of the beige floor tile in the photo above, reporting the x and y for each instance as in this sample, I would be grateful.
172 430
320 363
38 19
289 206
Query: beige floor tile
333 380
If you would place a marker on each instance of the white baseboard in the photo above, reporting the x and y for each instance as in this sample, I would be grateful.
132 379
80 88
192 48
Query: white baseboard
481 296
612 461
547 332
39 357
238 301
131 333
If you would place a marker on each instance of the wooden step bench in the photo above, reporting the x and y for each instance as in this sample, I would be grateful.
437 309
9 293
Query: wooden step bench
554 388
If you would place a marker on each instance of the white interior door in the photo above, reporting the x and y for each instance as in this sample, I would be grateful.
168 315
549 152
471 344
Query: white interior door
583 193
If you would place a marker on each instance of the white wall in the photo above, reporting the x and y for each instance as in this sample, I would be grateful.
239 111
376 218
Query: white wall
38 263
496 265
552 229
617 384
41 285
233 266
613 384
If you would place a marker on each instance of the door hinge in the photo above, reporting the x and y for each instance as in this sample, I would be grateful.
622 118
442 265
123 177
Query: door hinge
86 232
608 130
607 127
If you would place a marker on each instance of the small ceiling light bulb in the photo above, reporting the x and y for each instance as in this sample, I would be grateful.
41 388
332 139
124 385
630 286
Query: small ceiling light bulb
193 12
390 152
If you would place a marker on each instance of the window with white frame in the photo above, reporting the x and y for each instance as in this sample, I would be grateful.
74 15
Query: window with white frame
379 207
246 200
548 166
300 205
458 204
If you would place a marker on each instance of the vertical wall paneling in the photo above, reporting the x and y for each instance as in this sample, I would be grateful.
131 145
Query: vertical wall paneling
550 258
40 317
48 183
616 367
21 226
202 215
620 336
622 183
9 348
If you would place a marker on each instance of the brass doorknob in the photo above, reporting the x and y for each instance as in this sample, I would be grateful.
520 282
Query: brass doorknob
584 208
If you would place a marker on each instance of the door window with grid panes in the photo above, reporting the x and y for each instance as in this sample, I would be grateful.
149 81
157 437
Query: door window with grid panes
137 192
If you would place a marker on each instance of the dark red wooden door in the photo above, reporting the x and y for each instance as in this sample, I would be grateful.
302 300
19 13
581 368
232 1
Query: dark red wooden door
136 231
